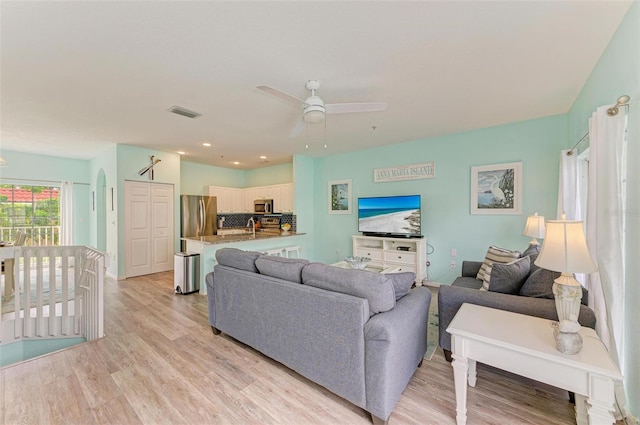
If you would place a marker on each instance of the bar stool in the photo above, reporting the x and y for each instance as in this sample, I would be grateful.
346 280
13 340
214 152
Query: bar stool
290 250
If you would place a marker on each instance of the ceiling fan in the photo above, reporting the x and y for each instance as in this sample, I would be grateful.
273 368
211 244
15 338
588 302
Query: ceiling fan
314 108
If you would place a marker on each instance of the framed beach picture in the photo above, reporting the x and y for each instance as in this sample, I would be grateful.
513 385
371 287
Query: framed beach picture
496 189
340 197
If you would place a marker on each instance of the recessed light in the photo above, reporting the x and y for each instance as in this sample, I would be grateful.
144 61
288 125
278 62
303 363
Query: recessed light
181 152
236 163
263 157
206 144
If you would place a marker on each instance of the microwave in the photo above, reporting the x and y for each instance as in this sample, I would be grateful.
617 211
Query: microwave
263 206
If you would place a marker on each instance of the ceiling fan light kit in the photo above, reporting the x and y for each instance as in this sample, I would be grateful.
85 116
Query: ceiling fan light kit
314 108
314 114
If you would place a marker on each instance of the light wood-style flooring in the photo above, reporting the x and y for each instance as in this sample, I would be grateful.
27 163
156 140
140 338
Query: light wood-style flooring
161 364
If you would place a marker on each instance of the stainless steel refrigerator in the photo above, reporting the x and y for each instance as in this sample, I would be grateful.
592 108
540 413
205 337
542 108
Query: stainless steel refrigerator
198 217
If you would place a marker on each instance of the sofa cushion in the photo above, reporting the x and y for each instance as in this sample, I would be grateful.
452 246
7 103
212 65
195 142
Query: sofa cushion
531 250
509 278
402 283
282 268
376 288
539 284
495 255
238 259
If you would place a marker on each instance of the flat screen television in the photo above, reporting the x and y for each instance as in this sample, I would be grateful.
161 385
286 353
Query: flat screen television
395 216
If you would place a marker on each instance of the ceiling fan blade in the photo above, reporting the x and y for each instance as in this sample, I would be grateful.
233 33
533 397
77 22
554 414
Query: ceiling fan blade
342 108
298 129
282 95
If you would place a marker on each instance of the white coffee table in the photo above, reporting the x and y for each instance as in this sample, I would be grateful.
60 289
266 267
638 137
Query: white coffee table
525 345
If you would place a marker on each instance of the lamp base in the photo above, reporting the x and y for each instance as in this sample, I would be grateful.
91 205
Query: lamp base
568 342
567 301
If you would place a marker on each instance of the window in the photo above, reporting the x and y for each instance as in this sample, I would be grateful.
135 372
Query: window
34 209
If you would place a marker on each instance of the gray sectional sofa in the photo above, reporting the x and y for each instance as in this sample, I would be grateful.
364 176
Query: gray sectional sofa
357 333
530 294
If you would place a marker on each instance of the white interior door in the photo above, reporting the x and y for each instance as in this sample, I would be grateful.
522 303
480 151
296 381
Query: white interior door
148 228
137 228
161 227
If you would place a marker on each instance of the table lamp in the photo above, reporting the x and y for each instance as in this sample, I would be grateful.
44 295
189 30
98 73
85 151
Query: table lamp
534 228
565 250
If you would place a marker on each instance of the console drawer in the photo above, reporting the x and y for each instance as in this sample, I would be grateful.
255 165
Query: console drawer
400 257
373 253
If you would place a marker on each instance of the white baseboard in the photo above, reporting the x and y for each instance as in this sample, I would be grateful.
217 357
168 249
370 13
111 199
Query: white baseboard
426 282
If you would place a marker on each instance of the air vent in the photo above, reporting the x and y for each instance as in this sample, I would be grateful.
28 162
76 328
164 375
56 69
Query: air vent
184 112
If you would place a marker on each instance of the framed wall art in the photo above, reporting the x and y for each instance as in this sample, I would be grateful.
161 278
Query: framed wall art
340 197
497 189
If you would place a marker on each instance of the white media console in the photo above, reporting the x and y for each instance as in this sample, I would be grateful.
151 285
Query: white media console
404 254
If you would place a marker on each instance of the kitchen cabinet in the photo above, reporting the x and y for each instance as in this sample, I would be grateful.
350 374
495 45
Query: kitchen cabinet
234 200
228 198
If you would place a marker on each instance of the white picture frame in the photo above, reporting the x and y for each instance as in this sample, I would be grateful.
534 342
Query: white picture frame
340 197
497 189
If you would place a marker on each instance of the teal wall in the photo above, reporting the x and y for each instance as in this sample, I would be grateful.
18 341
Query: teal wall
195 177
276 174
618 73
30 169
446 219
304 203
106 161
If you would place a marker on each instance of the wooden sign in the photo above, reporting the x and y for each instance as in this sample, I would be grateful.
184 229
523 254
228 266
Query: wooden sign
426 170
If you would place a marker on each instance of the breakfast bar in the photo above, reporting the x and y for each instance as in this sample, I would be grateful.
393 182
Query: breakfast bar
261 240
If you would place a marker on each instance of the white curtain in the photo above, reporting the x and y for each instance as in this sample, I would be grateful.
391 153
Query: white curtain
606 203
66 214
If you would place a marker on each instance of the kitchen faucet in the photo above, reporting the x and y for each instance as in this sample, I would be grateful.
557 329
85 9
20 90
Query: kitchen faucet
253 227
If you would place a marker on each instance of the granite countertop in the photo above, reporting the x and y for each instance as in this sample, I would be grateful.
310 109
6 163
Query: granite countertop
260 234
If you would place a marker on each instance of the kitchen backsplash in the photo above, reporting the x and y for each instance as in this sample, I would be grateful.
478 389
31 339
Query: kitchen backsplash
240 220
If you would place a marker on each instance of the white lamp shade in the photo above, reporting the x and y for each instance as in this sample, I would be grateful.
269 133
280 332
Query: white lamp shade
565 248
535 227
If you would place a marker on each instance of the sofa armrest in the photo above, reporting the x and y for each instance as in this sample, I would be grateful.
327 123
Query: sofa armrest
471 268
395 342
451 298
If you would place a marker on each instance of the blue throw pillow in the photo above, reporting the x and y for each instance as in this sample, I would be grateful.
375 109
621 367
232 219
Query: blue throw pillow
509 278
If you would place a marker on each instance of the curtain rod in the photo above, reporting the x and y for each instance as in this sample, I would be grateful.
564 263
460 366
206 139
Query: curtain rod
623 101
38 181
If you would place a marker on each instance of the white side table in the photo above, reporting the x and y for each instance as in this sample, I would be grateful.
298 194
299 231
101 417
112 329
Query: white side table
525 345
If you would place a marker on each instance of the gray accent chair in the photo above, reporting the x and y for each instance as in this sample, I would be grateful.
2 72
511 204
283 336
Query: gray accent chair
538 302
364 348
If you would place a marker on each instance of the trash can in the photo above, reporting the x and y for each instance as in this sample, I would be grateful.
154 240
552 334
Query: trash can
186 272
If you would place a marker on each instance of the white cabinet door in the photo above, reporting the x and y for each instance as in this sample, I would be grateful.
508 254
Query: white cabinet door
249 195
161 227
149 240
268 192
137 229
276 192
235 196
287 197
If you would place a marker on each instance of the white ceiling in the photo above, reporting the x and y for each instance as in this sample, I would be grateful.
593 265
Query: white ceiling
79 75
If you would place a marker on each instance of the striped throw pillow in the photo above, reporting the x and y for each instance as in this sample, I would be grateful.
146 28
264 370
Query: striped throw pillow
494 255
